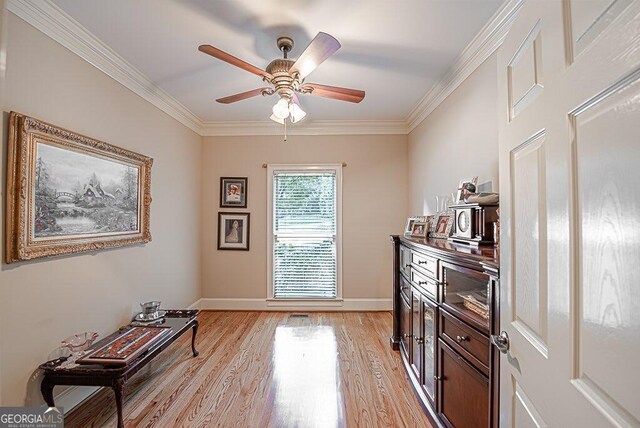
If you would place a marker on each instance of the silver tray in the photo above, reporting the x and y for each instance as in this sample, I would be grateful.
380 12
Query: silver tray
142 317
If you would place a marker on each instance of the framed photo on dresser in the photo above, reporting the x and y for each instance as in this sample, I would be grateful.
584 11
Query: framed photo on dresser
408 229
442 226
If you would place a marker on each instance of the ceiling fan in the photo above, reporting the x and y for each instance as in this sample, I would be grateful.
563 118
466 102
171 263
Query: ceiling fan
287 77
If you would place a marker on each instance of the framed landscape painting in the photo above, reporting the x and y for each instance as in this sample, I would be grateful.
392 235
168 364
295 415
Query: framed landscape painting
68 193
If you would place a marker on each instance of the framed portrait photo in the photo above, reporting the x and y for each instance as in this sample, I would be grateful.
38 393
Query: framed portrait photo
460 193
233 231
442 226
233 192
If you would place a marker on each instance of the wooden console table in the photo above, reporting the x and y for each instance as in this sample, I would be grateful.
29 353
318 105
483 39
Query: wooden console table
116 377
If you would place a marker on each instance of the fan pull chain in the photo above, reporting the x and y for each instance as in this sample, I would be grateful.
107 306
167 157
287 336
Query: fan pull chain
285 130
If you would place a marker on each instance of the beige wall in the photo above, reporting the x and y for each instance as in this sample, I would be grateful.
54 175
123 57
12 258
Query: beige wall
42 302
459 139
374 206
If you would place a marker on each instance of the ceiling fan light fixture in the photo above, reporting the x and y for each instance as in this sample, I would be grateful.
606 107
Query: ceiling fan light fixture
286 77
277 119
296 113
281 109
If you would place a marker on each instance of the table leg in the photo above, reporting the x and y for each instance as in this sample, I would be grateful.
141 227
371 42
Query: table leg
193 339
46 388
118 389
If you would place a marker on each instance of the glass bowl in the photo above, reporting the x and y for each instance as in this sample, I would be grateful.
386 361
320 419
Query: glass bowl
149 308
80 342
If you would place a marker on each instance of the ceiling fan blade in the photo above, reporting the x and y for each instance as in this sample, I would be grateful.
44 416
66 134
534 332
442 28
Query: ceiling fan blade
221 55
335 92
321 47
244 95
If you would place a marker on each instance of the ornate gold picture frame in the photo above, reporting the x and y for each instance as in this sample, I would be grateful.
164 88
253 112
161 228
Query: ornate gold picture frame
68 193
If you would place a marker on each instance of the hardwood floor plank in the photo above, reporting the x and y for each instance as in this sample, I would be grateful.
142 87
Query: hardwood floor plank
270 369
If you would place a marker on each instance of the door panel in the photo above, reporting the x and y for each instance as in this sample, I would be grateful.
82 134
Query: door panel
405 261
524 72
429 319
418 338
604 159
529 285
588 19
405 328
570 209
464 392
525 414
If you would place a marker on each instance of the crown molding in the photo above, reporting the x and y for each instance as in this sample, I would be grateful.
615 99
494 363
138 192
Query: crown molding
317 127
55 23
483 45
58 25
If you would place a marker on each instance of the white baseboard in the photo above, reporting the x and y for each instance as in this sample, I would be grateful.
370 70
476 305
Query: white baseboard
73 396
213 304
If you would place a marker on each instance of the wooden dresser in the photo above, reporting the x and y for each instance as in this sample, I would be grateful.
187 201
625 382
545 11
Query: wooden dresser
445 346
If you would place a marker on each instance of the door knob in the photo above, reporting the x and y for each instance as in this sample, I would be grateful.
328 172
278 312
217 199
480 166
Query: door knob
461 339
419 340
501 342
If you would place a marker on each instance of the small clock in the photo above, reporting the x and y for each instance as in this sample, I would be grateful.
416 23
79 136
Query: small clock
474 224
463 221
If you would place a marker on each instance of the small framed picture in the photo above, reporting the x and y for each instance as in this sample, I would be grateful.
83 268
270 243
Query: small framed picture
233 231
419 229
431 222
460 193
409 227
442 226
233 192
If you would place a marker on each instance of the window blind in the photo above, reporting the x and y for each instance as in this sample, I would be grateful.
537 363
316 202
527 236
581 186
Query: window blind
304 232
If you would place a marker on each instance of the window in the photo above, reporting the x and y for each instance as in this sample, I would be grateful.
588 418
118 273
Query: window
304 231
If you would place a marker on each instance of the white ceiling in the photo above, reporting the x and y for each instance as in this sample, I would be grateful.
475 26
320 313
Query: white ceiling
394 50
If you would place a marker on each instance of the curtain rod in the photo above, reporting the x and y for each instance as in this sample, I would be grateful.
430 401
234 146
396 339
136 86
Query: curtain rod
344 165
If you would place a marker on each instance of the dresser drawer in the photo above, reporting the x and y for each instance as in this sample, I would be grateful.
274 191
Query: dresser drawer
427 285
426 263
464 339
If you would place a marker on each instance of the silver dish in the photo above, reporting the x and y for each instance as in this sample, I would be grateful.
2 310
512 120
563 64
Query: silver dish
150 317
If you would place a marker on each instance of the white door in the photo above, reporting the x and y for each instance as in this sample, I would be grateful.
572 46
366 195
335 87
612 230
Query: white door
569 99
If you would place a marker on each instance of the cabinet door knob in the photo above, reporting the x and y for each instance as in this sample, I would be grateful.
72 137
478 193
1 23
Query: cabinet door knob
419 340
461 339
406 335
422 262
437 378
407 265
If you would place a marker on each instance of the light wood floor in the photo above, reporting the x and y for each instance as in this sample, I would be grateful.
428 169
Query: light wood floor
259 369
